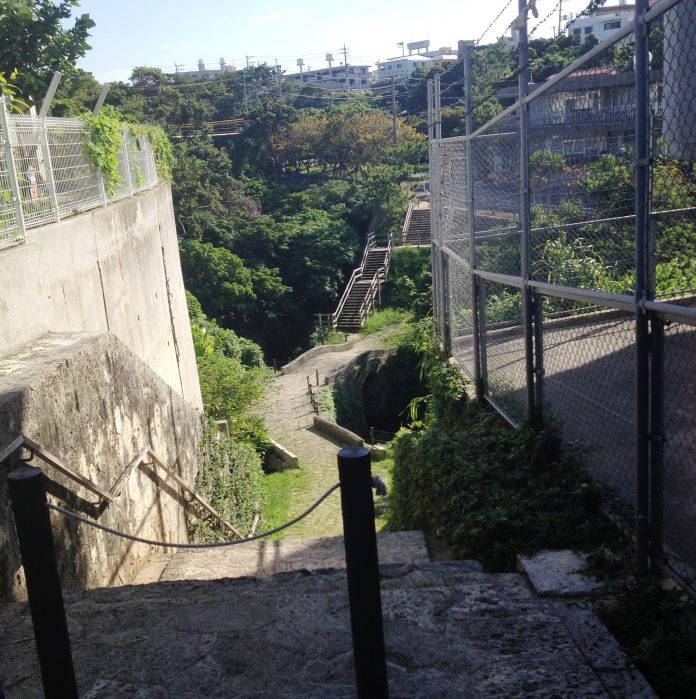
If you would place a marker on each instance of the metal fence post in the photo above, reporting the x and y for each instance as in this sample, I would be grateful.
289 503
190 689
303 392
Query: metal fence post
50 177
657 441
362 570
12 167
642 207
33 526
124 145
433 201
467 57
440 254
523 84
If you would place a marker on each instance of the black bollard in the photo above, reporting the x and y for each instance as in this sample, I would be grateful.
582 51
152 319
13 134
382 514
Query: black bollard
363 572
33 526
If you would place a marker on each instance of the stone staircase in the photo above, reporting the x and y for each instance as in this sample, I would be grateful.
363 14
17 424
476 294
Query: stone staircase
205 631
360 294
418 230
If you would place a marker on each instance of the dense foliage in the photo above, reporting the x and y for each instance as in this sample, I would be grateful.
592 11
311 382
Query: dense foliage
491 492
37 40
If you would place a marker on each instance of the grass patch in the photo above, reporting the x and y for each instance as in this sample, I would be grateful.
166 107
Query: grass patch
330 337
277 490
384 318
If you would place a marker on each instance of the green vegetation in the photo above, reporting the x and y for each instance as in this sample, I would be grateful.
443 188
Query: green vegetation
325 402
37 40
278 489
490 492
230 476
384 318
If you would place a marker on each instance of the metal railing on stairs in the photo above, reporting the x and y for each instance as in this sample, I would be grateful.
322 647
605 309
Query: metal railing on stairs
145 457
376 281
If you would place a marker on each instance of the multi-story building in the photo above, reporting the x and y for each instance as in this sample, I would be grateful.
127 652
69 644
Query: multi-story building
333 78
402 66
203 72
602 22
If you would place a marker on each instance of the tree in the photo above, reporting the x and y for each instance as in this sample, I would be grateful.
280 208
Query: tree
36 42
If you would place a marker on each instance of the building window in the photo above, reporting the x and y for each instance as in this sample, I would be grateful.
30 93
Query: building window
577 32
612 25
589 30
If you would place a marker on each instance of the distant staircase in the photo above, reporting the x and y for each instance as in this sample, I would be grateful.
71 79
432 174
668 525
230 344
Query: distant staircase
363 288
416 230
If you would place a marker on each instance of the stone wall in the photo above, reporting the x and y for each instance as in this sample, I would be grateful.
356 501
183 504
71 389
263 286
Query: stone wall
93 403
115 268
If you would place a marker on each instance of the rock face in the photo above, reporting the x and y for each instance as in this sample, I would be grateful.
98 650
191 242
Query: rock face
90 401
374 390
450 631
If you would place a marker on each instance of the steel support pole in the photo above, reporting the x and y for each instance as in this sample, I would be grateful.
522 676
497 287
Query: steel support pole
642 208
12 168
440 255
467 57
525 268
657 442
33 526
362 570
50 176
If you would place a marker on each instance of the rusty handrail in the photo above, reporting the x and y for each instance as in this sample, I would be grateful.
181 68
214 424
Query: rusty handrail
116 489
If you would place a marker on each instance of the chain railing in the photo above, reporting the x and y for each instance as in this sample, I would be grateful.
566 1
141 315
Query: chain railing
564 263
30 508
46 174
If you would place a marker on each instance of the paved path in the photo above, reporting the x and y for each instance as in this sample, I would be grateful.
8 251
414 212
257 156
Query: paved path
288 415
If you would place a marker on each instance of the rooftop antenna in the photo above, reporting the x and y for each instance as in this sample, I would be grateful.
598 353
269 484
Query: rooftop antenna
401 43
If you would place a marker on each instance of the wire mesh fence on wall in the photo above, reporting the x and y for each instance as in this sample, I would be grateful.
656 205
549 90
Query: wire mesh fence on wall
564 262
46 174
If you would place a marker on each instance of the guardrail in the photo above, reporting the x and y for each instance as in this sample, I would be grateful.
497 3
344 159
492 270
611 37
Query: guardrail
46 174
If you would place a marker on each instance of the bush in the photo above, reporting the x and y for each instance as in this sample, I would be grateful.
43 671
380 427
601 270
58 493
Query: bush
230 477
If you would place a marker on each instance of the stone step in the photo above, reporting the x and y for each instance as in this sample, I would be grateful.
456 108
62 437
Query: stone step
262 558
450 631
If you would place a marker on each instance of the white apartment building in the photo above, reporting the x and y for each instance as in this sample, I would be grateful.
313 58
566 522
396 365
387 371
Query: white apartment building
334 78
603 22
403 66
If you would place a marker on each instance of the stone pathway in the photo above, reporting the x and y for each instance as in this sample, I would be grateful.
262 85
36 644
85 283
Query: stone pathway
288 415
450 632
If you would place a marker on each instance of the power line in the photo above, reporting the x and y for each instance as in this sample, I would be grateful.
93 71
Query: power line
488 28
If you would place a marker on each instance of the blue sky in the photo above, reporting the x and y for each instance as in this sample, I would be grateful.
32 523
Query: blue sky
161 33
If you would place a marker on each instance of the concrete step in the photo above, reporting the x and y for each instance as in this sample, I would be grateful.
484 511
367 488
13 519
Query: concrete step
262 558
450 631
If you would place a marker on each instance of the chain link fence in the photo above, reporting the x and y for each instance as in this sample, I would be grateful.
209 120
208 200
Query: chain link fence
564 253
46 174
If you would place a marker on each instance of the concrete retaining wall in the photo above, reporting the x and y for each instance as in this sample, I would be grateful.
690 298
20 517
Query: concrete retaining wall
304 359
89 400
340 433
115 268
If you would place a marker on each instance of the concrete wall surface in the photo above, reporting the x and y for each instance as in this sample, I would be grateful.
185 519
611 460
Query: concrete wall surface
87 399
116 268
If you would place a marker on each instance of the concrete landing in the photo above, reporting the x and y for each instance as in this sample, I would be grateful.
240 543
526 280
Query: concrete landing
262 558
450 632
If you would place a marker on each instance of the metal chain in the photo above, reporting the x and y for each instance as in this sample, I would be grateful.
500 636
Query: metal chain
166 544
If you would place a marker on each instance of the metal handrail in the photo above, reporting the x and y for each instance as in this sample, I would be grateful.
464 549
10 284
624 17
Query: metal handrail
115 490
357 273
407 222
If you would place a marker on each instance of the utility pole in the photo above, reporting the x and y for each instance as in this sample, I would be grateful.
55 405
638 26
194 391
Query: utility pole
560 13
280 85
244 74
344 51
393 84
